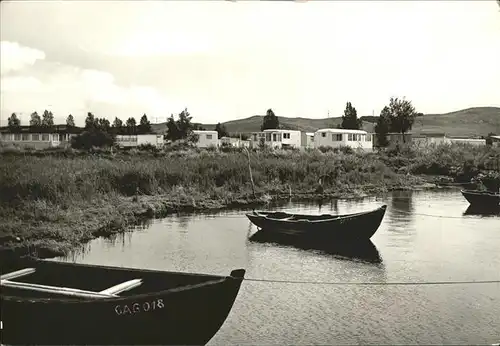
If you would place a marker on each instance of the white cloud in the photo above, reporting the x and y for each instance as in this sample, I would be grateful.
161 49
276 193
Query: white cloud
20 84
14 57
68 89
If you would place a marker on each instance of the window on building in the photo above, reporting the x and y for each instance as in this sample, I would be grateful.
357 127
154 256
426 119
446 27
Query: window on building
35 137
17 137
286 136
368 138
209 136
323 134
25 137
268 137
350 137
45 137
275 137
337 137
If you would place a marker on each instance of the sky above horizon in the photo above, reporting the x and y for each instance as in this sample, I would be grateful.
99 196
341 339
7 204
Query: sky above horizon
226 60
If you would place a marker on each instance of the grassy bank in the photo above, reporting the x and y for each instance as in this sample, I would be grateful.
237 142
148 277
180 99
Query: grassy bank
53 201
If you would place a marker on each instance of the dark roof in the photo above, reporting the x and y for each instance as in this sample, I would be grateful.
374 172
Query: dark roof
53 129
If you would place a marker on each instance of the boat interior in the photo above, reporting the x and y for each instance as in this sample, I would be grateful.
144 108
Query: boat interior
278 215
94 282
483 193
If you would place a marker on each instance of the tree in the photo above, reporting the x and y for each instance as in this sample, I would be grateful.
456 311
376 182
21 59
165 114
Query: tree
35 121
144 125
14 123
90 122
173 133
131 126
103 125
221 130
97 134
382 127
350 118
47 119
402 115
92 138
70 122
489 140
270 121
117 127
184 124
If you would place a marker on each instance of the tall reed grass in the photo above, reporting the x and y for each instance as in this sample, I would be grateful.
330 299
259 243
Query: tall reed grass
58 198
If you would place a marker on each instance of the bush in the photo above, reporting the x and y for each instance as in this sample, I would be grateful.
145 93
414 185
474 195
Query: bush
89 139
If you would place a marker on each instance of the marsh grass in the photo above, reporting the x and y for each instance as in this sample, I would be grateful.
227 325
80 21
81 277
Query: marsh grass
56 199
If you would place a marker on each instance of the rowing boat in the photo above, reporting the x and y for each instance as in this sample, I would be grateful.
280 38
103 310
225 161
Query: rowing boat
482 198
356 226
54 303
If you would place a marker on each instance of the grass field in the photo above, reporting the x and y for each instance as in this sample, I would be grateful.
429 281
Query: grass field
53 201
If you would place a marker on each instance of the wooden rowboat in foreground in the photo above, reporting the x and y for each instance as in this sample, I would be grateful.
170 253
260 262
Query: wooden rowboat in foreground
356 226
55 303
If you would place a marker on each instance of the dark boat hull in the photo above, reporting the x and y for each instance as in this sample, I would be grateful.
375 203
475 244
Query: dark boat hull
359 226
479 198
181 315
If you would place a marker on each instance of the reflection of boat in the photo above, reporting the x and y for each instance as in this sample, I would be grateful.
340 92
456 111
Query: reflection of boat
363 250
112 305
355 226
482 211
482 198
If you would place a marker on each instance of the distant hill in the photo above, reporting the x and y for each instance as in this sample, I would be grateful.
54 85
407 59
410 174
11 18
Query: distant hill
478 121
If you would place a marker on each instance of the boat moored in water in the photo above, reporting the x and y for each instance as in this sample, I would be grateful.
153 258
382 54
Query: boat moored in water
355 226
55 303
482 198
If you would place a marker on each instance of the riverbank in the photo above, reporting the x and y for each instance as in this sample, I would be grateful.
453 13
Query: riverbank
52 202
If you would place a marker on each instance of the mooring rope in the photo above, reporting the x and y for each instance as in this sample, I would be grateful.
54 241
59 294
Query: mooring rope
464 217
429 215
340 283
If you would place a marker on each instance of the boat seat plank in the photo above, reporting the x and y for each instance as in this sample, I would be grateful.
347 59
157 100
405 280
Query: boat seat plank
122 287
17 274
72 292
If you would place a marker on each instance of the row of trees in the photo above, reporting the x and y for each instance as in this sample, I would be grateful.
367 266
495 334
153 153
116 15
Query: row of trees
398 117
46 121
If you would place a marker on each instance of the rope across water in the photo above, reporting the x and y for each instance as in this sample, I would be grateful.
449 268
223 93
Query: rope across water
423 283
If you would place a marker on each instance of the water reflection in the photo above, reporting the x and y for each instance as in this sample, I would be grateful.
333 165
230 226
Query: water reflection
401 212
402 203
363 250
423 237
482 211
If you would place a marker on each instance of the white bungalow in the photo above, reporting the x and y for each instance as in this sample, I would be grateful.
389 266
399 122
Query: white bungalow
278 138
207 138
128 141
337 138
28 137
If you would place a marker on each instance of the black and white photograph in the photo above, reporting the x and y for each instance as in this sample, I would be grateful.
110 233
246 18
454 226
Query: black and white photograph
250 172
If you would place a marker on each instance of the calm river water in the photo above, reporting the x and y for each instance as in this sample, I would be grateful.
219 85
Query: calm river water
424 236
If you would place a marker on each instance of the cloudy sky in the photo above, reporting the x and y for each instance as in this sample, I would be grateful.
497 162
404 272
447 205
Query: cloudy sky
226 60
